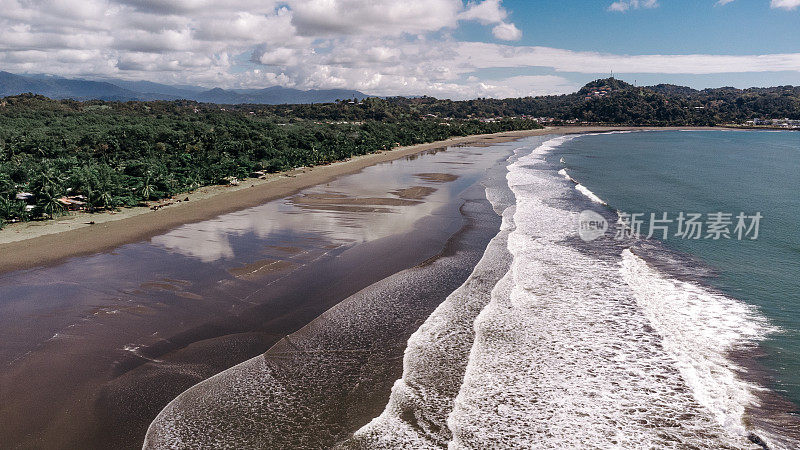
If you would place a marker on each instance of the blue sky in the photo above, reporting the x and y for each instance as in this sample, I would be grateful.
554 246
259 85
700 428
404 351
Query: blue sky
444 48
673 27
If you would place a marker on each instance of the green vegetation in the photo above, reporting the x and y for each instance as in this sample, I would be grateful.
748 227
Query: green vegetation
122 154
116 154
624 104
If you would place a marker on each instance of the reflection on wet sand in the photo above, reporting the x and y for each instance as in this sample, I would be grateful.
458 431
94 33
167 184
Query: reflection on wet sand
92 349
259 269
414 192
437 177
342 218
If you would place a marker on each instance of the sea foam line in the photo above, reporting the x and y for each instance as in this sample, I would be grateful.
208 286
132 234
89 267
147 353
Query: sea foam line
582 189
699 329
437 353
567 354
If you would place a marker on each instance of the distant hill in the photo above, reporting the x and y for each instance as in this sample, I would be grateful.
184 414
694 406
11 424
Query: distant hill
607 100
120 90
671 89
608 84
614 101
59 88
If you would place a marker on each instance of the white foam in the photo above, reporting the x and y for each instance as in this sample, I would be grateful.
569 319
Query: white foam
699 329
566 355
589 194
581 188
437 353
433 364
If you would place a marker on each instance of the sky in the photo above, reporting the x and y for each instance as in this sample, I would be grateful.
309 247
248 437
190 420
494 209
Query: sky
443 48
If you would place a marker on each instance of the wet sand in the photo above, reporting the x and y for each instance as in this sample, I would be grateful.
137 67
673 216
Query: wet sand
93 348
333 375
34 244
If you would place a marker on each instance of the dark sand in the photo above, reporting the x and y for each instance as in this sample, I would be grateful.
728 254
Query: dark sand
44 244
335 374
84 397
148 324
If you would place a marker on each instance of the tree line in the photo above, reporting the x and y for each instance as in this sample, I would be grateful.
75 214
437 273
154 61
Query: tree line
117 154
113 155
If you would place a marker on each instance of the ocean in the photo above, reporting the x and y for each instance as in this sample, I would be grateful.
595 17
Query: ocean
613 340
711 171
578 326
733 172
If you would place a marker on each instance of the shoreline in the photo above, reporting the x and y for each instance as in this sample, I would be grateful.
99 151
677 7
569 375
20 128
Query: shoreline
390 310
34 244
128 341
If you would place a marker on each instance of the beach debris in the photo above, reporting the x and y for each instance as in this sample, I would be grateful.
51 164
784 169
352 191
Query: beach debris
157 207
74 202
232 181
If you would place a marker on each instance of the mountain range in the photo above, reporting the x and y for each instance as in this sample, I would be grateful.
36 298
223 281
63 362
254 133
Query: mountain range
121 90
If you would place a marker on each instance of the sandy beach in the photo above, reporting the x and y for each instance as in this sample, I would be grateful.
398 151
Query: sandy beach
171 297
95 346
32 244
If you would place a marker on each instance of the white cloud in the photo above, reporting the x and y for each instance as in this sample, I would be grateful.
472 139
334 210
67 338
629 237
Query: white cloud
401 66
507 32
785 4
382 47
526 85
723 2
377 17
625 5
312 43
482 55
486 12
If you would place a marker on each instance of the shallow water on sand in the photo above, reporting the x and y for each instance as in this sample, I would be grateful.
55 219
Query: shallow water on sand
91 349
318 385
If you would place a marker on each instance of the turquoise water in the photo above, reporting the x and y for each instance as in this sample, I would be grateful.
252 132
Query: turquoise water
708 172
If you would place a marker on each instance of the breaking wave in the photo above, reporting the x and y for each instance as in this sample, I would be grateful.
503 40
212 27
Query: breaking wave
437 353
699 329
589 194
581 188
550 345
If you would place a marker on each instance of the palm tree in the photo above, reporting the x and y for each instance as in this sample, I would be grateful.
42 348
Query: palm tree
46 188
147 187
106 199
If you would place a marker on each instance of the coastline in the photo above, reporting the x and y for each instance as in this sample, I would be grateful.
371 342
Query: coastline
344 382
182 422
149 320
191 347
33 244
